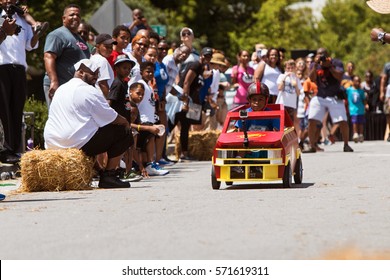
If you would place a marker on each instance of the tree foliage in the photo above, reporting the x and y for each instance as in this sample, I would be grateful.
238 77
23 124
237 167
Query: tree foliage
345 32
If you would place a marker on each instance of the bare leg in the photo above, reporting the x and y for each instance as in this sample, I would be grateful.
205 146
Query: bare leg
344 131
113 163
313 133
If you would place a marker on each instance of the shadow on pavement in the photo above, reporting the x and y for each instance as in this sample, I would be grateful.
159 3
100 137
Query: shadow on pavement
264 186
40 200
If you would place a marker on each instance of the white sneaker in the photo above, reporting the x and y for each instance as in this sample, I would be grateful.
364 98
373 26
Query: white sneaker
355 137
154 169
361 138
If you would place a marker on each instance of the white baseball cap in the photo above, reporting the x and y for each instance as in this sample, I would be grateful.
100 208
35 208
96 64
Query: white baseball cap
88 63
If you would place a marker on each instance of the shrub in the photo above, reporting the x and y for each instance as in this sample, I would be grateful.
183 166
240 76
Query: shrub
40 111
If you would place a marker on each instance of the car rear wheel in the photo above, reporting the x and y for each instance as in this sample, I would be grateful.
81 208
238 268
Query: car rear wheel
214 183
298 171
287 176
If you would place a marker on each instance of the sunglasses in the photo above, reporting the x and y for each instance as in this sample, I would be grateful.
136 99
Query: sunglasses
142 44
186 34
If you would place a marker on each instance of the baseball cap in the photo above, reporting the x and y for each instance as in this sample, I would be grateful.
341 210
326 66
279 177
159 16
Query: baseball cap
207 51
379 6
91 65
105 39
184 29
123 58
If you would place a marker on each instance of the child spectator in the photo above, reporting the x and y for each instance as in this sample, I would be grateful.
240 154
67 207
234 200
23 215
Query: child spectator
309 89
146 107
122 36
222 108
118 100
136 94
289 87
356 106
118 90
104 45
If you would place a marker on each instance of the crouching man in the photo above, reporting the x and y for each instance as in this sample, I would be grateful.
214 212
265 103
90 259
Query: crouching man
80 117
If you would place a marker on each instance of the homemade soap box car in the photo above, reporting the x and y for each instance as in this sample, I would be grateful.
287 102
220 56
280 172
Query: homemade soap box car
257 155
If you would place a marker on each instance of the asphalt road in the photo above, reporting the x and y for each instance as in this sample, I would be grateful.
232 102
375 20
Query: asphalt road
344 202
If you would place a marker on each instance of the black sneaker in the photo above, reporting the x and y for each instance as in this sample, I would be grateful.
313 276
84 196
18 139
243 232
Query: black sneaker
9 157
110 180
347 148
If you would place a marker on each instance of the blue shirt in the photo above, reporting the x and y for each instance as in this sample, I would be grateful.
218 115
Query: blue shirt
355 101
162 78
261 124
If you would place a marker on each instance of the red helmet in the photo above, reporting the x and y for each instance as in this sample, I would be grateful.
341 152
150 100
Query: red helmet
258 88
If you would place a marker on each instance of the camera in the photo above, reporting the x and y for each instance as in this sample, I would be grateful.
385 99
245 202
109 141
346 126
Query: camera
323 57
10 11
243 114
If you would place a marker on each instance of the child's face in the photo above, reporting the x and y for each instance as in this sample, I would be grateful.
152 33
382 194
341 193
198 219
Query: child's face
104 50
123 69
123 39
299 74
257 102
137 94
290 68
356 82
147 74
151 55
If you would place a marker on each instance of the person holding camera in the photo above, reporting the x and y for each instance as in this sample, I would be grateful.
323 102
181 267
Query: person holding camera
139 23
7 28
327 73
13 82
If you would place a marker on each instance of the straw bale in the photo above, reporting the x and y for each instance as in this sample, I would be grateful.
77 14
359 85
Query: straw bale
200 144
56 170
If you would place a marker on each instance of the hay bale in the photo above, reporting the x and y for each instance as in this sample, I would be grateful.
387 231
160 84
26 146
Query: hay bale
56 170
200 144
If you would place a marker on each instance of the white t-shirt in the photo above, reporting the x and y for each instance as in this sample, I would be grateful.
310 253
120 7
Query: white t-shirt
105 71
13 48
288 96
147 106
135 74
270 78
215 84
76 113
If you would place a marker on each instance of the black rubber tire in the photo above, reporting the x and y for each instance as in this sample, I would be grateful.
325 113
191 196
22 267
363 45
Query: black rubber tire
298 172
287 176
214 183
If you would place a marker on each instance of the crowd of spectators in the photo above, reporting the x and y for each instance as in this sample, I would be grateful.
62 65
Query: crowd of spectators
152 88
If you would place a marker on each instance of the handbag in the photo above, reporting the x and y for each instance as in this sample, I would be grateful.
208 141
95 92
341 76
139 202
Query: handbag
194 111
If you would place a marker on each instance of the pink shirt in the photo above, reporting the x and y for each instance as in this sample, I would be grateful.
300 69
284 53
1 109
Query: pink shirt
244 79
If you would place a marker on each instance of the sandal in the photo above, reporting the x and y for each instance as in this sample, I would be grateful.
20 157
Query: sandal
41 28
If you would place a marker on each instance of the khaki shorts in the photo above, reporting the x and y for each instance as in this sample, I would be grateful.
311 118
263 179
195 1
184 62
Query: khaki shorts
386 106
319 106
